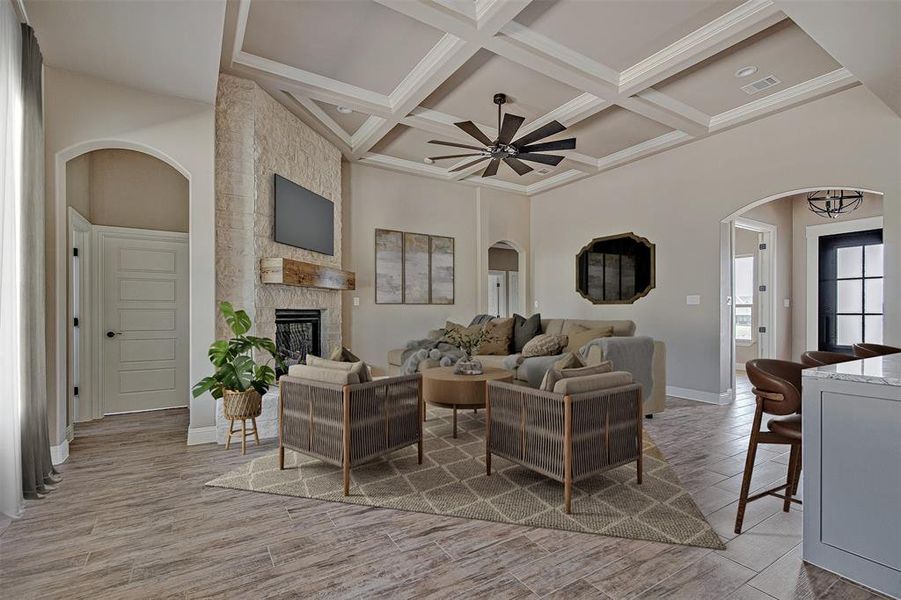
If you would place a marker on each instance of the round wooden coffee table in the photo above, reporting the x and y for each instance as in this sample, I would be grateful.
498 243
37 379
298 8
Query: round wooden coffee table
442 387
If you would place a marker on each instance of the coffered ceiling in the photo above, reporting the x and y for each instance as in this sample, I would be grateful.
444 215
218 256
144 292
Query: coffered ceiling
628 79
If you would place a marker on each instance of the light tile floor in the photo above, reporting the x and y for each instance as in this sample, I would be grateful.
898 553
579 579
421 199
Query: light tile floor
133 520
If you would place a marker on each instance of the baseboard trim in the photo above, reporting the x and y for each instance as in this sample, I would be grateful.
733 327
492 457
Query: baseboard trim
59 454
700 396
202 435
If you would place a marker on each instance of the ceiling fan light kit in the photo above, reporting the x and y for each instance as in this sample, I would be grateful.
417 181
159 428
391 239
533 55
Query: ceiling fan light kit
505 148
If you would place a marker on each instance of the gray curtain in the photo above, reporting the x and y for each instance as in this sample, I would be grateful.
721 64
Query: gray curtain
38 474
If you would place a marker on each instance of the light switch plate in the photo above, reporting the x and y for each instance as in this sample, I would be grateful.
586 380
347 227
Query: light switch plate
536 304
356 301
787 303
692 299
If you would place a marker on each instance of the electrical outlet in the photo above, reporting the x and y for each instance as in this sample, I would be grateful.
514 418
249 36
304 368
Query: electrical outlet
787 303
536 305
692 299
356 301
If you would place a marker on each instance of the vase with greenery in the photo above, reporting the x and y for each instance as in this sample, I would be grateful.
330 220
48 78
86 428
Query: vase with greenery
239 379
468 341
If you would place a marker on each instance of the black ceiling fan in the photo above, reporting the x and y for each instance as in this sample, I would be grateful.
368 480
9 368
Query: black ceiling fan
505 148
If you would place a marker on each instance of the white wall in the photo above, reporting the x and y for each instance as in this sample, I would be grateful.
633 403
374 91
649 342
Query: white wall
380 199
83 114
678 199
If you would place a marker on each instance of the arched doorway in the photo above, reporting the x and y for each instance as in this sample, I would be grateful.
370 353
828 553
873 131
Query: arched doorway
506 280
125 245
773 292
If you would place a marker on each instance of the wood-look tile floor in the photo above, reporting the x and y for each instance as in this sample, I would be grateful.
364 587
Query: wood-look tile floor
132 519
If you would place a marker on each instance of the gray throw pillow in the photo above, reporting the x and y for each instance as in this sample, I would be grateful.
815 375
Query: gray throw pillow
524 330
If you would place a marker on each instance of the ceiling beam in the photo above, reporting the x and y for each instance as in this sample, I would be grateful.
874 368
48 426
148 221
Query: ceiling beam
735 26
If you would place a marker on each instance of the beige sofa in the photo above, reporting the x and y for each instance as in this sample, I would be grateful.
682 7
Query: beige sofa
653 403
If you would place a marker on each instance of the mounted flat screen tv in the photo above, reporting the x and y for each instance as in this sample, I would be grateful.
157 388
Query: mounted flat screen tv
303 219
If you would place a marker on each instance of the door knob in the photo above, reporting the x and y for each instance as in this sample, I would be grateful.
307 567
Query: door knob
112 334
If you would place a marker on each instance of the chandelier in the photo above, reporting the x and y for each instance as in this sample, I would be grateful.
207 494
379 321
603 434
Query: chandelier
832 203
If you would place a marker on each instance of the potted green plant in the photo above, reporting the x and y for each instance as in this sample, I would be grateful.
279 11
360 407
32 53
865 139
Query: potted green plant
468 341
239 380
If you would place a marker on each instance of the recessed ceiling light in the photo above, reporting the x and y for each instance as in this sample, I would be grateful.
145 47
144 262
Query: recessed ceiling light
428 161
344 110
745 71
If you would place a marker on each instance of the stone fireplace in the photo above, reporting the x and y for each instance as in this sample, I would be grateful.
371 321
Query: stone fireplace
257 138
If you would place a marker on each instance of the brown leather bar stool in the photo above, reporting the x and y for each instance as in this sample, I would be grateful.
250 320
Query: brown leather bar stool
817 358
777 387
871 350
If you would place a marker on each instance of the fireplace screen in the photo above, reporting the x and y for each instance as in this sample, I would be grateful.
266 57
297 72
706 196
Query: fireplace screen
297 333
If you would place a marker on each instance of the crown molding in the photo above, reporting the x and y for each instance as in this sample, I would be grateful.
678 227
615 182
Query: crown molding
427 68
675 106
739 23
316 86
657 144
556 51
323 116
500 184
554 181
826 83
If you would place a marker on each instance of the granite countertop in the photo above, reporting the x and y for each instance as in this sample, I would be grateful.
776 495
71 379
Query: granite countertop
881 370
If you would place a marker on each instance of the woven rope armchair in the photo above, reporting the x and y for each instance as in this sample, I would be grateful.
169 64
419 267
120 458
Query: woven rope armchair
564 437
348 425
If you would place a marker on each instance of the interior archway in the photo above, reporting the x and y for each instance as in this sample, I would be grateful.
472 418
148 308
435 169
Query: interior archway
134 188
506 285
788 299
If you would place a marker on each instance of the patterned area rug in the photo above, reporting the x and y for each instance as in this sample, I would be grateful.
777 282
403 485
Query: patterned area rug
451 481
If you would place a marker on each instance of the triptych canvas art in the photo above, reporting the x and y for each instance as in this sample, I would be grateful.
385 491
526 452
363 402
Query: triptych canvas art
413 268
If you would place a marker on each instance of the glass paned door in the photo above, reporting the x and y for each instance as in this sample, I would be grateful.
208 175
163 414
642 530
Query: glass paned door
850 294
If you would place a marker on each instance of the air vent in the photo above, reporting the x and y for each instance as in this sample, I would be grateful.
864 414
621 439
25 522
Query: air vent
760 85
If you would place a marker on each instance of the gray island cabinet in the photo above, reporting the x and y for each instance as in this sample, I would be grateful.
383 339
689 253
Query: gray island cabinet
852 470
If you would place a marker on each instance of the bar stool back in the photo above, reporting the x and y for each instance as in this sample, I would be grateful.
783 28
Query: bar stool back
817 358
871 350
777 388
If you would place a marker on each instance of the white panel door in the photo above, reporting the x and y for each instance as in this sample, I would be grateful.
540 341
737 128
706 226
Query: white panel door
144 316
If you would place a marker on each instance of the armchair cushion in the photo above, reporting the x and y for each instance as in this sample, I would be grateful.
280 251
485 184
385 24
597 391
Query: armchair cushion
324 374
556 374
592 383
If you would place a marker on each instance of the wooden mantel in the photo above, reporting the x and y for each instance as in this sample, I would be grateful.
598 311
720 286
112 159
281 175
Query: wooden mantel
294 272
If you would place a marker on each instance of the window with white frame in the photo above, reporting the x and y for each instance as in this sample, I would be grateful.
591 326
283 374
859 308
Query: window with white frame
744 299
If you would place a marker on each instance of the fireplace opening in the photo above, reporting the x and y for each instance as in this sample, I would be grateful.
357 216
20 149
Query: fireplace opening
297 333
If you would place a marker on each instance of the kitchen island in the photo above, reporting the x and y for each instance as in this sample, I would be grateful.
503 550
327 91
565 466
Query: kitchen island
852 470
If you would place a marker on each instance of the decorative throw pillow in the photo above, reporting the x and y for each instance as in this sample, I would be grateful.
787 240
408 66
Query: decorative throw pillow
580 337
570 360
499 332
342 354
359 368
546 344
524 330
451 326
554 375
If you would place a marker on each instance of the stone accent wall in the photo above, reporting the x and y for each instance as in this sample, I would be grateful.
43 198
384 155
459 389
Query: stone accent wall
256 137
